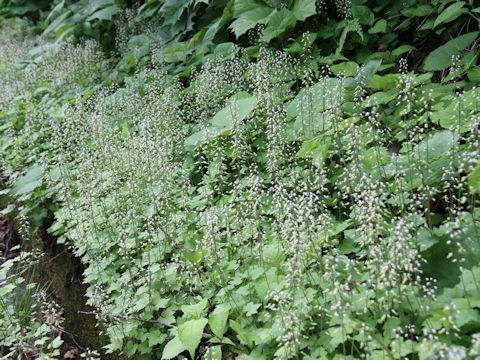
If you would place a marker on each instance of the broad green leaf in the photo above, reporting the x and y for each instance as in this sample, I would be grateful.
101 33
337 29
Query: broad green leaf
243 335
155 337
450 13
474 179
474 74
29 182
105 14
310 102
278 23
196 310
363 14
435 146
190 334
8 209
316 148
402 49
218 320
238 108
251 309
303 9
346 68
379 27
173 348
248 20
441 58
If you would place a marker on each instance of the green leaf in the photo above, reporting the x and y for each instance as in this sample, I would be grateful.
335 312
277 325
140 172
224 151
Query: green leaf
195 310
218 320
238 108
190 334
363 14
474 179
278 23
105 14
197 256
173 348
214 353
241 333
441 58
251 309
8 209
450 13
474 74
379 27
402 49
250 19
352 25
29 182
303 9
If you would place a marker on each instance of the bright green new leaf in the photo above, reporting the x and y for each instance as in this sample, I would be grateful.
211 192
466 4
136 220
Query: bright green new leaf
29 182
190 334
303 9
173 348
195 311
441 58
450 13
218 320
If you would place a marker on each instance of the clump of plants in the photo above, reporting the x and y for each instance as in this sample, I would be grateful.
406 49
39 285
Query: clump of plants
274 198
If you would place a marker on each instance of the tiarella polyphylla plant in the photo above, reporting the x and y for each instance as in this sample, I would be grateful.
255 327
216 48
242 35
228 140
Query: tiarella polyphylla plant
257 205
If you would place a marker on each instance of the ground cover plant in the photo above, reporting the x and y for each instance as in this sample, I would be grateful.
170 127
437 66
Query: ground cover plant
254 179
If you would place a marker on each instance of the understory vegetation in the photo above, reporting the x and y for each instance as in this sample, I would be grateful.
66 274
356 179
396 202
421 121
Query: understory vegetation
246 179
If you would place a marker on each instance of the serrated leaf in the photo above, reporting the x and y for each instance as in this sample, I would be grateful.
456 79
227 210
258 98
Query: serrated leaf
303 9
441 58
190 334
173 348
450 13
218 320
195 311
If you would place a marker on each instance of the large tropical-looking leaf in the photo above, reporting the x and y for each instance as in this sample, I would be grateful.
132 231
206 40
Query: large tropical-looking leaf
441 58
